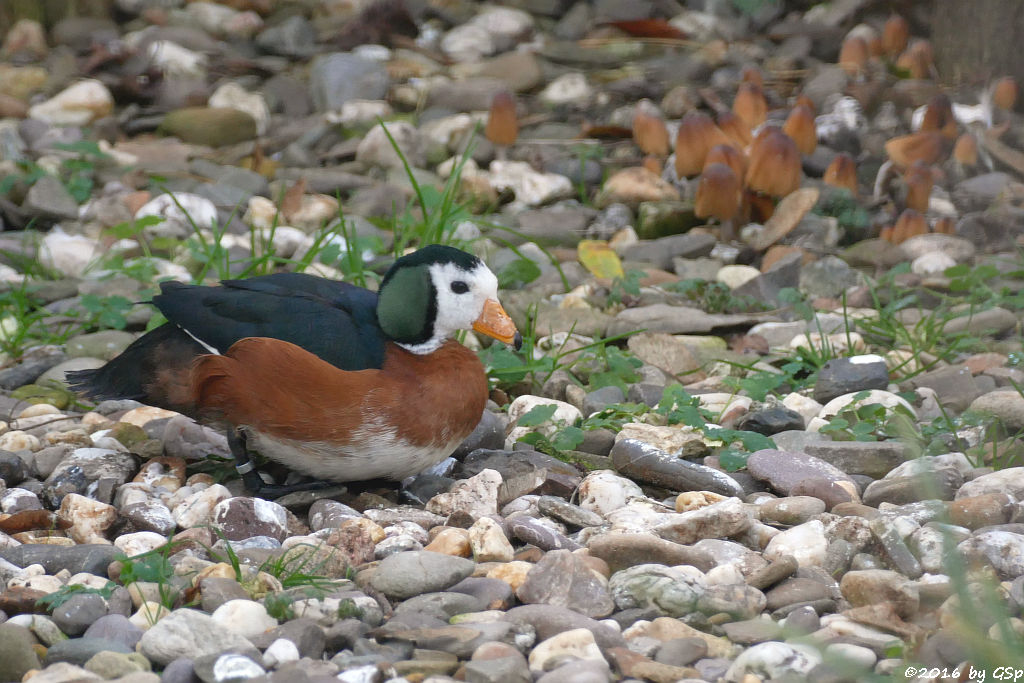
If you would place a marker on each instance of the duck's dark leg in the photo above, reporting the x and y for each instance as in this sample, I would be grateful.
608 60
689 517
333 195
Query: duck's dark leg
244 464
254 483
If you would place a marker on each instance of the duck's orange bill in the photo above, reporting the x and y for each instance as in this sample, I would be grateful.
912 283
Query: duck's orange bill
494 322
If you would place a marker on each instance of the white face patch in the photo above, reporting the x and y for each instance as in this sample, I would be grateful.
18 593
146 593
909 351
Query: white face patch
461 295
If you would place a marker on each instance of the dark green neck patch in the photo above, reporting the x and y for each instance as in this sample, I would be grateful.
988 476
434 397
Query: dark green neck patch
407 305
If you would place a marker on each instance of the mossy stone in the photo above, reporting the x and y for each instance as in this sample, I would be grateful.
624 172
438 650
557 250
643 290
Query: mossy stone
128 434
660 219
33 393
116 664
209 126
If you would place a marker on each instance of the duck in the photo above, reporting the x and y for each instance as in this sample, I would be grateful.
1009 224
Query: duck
333 381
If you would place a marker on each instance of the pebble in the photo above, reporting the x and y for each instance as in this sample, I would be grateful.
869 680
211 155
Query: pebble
673 591
722 519
476 496
244 617
806 543
785 469
1002 481
872 586
565 579
841 376
407 574
774 660
650 464
77 105
188 633
1002 550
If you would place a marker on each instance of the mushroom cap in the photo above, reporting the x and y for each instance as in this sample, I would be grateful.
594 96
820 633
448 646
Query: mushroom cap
842 172
735 128
752 74
945 226
697 134
926 146
853 55
895 35
917 59
729 155
774 163
938 116
502 125
650 133
1004 93
718 193
800 126
750 105
965 151
909 224
807 102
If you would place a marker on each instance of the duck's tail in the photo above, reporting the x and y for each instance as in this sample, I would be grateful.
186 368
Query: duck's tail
154 369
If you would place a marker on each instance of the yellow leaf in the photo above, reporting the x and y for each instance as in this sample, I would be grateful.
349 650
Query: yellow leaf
597 257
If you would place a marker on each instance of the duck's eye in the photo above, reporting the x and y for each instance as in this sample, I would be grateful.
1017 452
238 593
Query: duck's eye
460 287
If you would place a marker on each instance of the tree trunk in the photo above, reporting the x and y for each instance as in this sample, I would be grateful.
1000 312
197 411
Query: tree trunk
976 41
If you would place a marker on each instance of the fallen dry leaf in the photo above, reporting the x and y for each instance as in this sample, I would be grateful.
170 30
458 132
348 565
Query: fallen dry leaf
788 214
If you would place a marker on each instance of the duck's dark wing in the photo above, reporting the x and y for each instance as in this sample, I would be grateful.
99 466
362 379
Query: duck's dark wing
333 320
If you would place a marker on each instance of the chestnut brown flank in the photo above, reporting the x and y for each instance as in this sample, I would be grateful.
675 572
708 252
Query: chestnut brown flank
278 388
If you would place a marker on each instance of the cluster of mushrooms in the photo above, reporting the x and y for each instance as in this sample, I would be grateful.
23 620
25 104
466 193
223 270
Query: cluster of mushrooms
745 163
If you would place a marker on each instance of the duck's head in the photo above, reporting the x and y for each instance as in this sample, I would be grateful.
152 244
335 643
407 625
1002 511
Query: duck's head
428 295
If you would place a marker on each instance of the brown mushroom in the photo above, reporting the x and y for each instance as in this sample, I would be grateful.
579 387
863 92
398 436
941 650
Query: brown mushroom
842 172
895 35
938 116
1004 93
774 167
909 224
735 128
653 164
917 59
800 126
718 196
697 134
750 105
945 226
730 156
965 151
718 193
502 125
804 100
752 74
853 55
926 146
649 132
919 181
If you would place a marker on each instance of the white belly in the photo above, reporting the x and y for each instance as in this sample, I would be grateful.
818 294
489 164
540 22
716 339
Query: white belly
374 453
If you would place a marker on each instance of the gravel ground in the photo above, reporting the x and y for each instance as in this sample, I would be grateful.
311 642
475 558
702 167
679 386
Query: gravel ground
805 467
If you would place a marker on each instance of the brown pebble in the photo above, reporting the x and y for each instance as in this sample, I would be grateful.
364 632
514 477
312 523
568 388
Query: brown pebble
828 490
987 509
780 569
855 510
529 554
594 563
494 650
980 362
